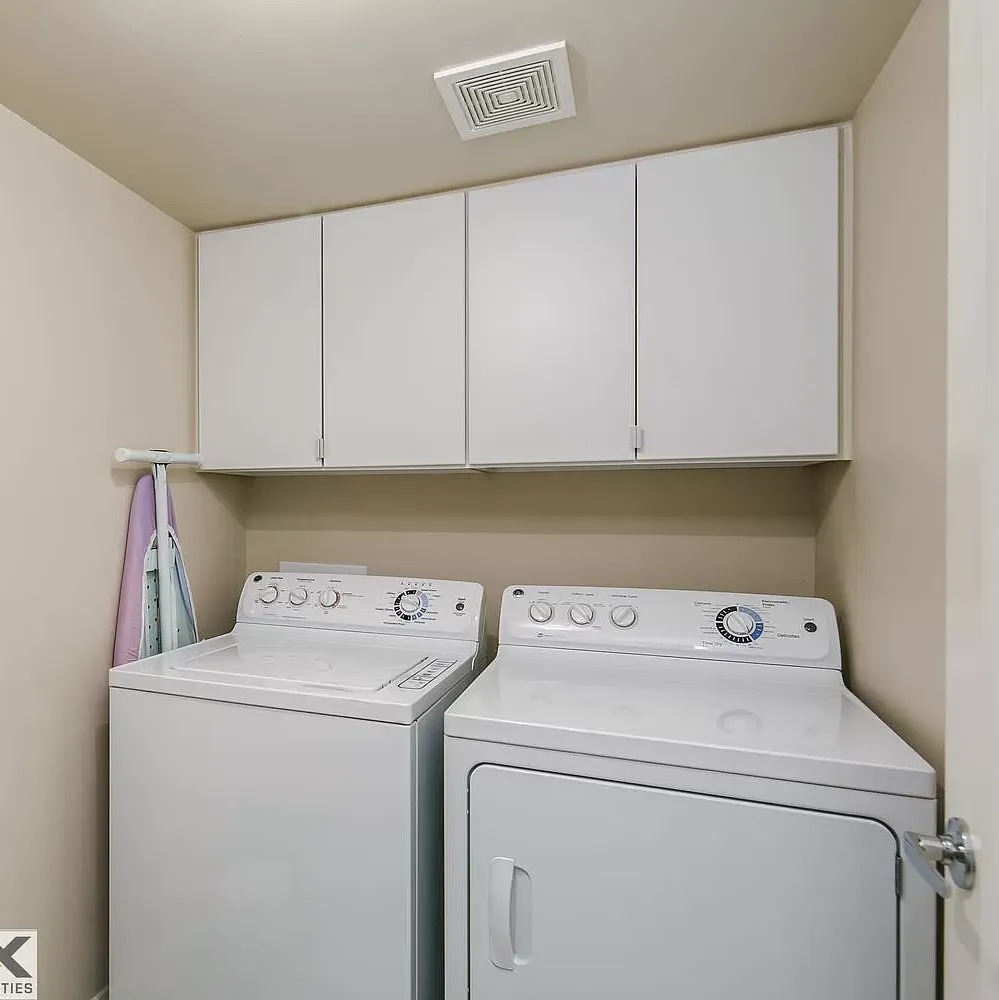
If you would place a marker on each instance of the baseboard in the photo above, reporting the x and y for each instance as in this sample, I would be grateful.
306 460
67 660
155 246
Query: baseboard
103 995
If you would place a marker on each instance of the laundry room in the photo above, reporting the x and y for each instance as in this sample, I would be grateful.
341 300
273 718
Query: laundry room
486 442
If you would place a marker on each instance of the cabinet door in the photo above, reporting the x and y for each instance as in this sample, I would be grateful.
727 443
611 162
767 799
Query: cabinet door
738 300
394 334
551 319
589 889
260 345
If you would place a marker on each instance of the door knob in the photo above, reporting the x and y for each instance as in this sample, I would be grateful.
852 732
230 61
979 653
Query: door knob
954 851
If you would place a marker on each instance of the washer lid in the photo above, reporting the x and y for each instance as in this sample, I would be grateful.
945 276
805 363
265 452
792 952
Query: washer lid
344 666
388 678
775 722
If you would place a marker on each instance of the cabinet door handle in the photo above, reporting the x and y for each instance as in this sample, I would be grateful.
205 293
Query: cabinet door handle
501 913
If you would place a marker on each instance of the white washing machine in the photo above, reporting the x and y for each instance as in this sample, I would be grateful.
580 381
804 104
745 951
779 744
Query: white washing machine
656 794
276 814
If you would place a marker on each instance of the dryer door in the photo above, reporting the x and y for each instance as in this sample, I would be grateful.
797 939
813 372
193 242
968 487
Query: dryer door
590 889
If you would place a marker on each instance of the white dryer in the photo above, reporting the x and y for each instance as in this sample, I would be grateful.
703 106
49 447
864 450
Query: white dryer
276 814
656 794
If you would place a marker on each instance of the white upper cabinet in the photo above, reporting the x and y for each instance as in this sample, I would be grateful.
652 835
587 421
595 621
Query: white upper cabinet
551 319
681 310
259 345
394 334
738 300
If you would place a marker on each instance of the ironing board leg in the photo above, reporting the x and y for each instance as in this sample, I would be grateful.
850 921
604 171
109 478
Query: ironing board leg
164 561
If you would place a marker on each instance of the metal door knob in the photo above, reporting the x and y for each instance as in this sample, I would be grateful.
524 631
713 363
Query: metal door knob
954 851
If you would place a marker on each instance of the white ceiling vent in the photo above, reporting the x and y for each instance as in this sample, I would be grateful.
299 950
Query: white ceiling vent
510 91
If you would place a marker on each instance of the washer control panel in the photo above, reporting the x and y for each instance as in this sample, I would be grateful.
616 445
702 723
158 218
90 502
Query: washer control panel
794 631
444 608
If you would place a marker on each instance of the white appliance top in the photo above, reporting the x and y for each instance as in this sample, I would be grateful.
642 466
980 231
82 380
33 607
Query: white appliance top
736 683
368 647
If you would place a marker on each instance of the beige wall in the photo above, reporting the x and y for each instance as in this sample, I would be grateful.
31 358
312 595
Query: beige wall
96 321
880 549
747 530
96 314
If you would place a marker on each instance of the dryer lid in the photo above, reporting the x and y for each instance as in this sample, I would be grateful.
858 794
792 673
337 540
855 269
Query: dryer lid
773 722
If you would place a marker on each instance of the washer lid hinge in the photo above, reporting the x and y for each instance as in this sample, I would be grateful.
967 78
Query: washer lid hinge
637 438
320 448
898 876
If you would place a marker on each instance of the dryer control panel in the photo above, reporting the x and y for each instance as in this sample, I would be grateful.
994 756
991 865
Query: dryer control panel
444 608
794 631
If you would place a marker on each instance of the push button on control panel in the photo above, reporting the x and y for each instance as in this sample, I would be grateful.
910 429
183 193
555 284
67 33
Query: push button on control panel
423 677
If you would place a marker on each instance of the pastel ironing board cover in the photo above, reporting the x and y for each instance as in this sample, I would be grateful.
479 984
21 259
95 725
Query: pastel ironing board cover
135 637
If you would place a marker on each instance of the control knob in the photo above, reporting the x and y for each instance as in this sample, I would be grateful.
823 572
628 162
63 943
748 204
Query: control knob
329 598
410 603
268 595
624 616
581 614
298 597
541 612
739 623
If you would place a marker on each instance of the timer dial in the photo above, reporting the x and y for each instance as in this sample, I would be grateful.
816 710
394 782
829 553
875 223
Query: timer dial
411 604
739 624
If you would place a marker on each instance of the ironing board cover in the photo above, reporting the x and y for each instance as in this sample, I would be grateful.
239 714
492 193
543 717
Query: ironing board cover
138 631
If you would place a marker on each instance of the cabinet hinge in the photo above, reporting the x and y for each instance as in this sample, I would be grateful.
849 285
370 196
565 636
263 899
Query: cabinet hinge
637 438
320 449
898 876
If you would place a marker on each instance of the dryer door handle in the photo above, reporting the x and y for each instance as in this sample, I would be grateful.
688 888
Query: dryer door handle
510 914
501 913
